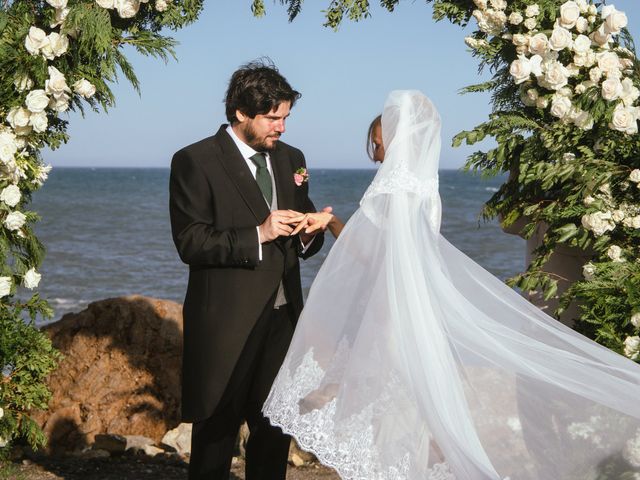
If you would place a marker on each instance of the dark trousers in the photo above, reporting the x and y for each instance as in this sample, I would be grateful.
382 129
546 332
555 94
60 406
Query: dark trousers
213 439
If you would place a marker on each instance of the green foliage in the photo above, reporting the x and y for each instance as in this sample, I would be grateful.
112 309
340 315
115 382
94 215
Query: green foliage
95 54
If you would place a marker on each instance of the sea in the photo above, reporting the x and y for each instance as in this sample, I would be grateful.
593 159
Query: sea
107 232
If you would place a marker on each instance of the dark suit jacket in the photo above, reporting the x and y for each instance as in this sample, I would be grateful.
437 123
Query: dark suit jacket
215 206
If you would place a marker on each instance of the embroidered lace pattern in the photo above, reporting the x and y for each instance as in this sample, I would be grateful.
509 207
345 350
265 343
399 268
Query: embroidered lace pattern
350 449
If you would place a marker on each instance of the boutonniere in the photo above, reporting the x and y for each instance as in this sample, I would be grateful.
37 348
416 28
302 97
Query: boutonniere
301 176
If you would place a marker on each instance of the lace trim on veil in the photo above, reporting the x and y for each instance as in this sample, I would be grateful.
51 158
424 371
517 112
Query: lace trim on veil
354 456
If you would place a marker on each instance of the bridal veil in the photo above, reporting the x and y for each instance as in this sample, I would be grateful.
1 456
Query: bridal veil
410 361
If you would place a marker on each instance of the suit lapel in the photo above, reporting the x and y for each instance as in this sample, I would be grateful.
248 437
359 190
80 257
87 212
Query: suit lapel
283 177
238 170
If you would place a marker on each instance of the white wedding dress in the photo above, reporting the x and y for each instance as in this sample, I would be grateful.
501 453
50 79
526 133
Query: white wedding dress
410 361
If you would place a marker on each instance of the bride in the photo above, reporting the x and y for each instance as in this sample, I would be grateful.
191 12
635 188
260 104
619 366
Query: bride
410 361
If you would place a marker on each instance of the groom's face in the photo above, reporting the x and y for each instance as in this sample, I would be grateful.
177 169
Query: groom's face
263 131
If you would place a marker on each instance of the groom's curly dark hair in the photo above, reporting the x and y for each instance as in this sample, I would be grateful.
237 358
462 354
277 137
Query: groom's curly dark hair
256 88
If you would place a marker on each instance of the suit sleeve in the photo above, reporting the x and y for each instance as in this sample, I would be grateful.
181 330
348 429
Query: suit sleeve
306 205
191 201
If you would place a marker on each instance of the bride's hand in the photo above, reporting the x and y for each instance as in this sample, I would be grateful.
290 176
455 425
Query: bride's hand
312 222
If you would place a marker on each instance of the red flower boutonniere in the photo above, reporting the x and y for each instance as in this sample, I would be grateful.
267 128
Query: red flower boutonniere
301 176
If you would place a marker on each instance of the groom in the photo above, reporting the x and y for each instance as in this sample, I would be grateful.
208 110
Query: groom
231 197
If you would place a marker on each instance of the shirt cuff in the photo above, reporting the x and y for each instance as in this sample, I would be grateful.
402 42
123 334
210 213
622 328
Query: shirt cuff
260 245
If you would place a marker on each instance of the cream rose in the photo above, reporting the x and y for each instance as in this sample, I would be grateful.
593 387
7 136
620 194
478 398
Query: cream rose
555 77
55 46
600 36
569 14
34 40
588 200
5 286
23 83
560 106
520 69
614 252
609 63
635 320
582 44
614 20
39 121
598 222
56 85
10 195
582 25
516 18
560 39
84 88
18 117
587 60
632 347
481 4
618 215
530 97
57 3
595 74
539 44
542 103
584 120
106 3
127 8
630 93
8 146
588 271
59 17
161 5
37 101
531 23
532 11
624 119
498 4
632 222
60 103
31 279
611 89
15 220
634 176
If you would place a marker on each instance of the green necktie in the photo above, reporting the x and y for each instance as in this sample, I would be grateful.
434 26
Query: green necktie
263 177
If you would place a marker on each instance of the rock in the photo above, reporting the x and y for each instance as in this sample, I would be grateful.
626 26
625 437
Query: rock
296 451
179 438
98 453
151 450
109 442
296 460
243 436
137 441
120 372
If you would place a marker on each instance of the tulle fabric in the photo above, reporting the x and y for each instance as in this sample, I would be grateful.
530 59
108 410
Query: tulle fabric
410 361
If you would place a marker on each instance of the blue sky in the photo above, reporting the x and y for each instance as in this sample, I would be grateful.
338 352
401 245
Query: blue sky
343 76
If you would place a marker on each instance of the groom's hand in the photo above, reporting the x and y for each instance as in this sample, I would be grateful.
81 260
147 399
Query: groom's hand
276 225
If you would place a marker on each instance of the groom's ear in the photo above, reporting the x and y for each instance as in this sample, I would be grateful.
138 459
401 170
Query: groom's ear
241 116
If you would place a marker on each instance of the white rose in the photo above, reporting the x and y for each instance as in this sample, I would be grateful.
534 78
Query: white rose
542 102
23 83
530 97
635 319
57 3
59 44
31 279
555 77
609 63
59 17
632 347
37 101
583 5
497 21
46 50
11 195
539 44
520 39
614 21
560 39
15 220
532 11
520 69
630 93
56 85
127 8
39 121
617 215
560 106
632 222
624 119
582 44
611 89
498 4
634 176
34 40
530 23
85 88
106 3
591 19
161 5
1 412
588 200
588 271
598 222
595 74
582 25
614 252
481 4
569 14
18 117
592 10
469 41
600 36
573 69
5 287
8 146
59 103
586 60
582 87
515 18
